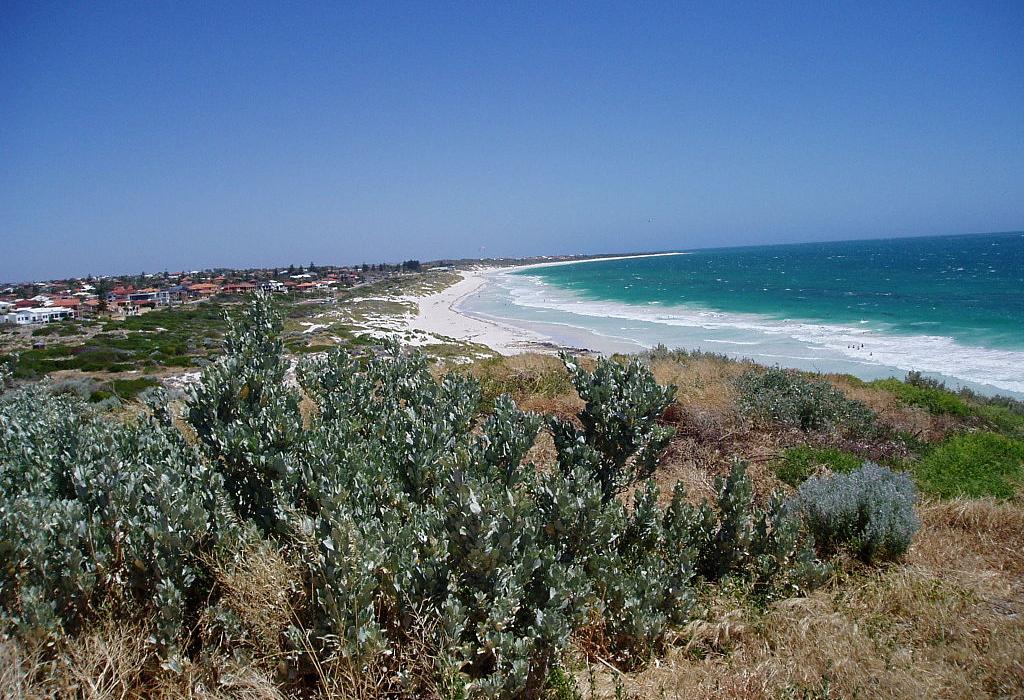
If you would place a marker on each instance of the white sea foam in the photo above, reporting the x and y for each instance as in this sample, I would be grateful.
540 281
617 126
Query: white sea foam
765 339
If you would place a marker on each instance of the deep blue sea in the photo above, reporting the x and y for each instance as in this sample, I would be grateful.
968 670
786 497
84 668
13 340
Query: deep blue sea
950 306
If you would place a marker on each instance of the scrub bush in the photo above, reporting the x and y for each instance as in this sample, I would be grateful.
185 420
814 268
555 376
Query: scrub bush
926 393
791 399
798 463
869 511
96 515
245 417
735 537
621 439
432 554
82 387
974 465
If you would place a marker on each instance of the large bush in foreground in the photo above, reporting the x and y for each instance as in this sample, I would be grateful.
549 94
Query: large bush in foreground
869 511
98 515
435 556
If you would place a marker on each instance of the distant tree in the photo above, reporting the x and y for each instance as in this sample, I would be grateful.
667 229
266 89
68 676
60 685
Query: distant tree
291 269
366 268
411 265
102 289
312 267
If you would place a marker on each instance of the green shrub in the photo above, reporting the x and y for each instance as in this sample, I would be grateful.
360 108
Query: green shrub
1000 418
794 400
415 524
96 515
932 397
973 464
102 396
561 686
734 537
621 439
661 352
869 511
798 463
130 388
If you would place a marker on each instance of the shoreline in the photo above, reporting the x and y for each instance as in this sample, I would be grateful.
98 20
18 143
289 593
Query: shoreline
807 346
439 314
812 346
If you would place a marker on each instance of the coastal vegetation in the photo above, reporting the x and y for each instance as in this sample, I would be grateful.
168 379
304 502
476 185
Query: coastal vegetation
166 338
376 524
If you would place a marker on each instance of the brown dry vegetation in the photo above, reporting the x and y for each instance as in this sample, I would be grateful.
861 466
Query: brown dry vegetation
946 622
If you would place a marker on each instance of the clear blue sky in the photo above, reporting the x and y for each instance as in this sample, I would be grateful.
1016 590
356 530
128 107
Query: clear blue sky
169 135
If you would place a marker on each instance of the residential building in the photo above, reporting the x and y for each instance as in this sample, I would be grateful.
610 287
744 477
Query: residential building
40 314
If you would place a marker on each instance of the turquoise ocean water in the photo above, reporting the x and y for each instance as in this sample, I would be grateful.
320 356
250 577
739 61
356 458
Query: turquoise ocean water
950 306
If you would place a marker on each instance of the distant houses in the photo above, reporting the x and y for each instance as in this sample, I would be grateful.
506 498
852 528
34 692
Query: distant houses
129 295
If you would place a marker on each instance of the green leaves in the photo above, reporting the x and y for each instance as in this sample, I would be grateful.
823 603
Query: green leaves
621 440
417 523
791 399
100 515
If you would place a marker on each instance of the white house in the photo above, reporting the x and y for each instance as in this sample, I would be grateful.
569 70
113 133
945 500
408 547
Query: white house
39 314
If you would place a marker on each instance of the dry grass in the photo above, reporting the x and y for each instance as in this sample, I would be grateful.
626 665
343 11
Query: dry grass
114 661
700 453
711 432
706 387
946 623
258 585
15 670
536 382
107 662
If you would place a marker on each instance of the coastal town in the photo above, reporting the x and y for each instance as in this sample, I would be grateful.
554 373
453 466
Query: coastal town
53 301
109 338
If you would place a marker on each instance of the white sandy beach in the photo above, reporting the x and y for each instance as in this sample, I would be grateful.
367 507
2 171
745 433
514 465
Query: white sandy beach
439 313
